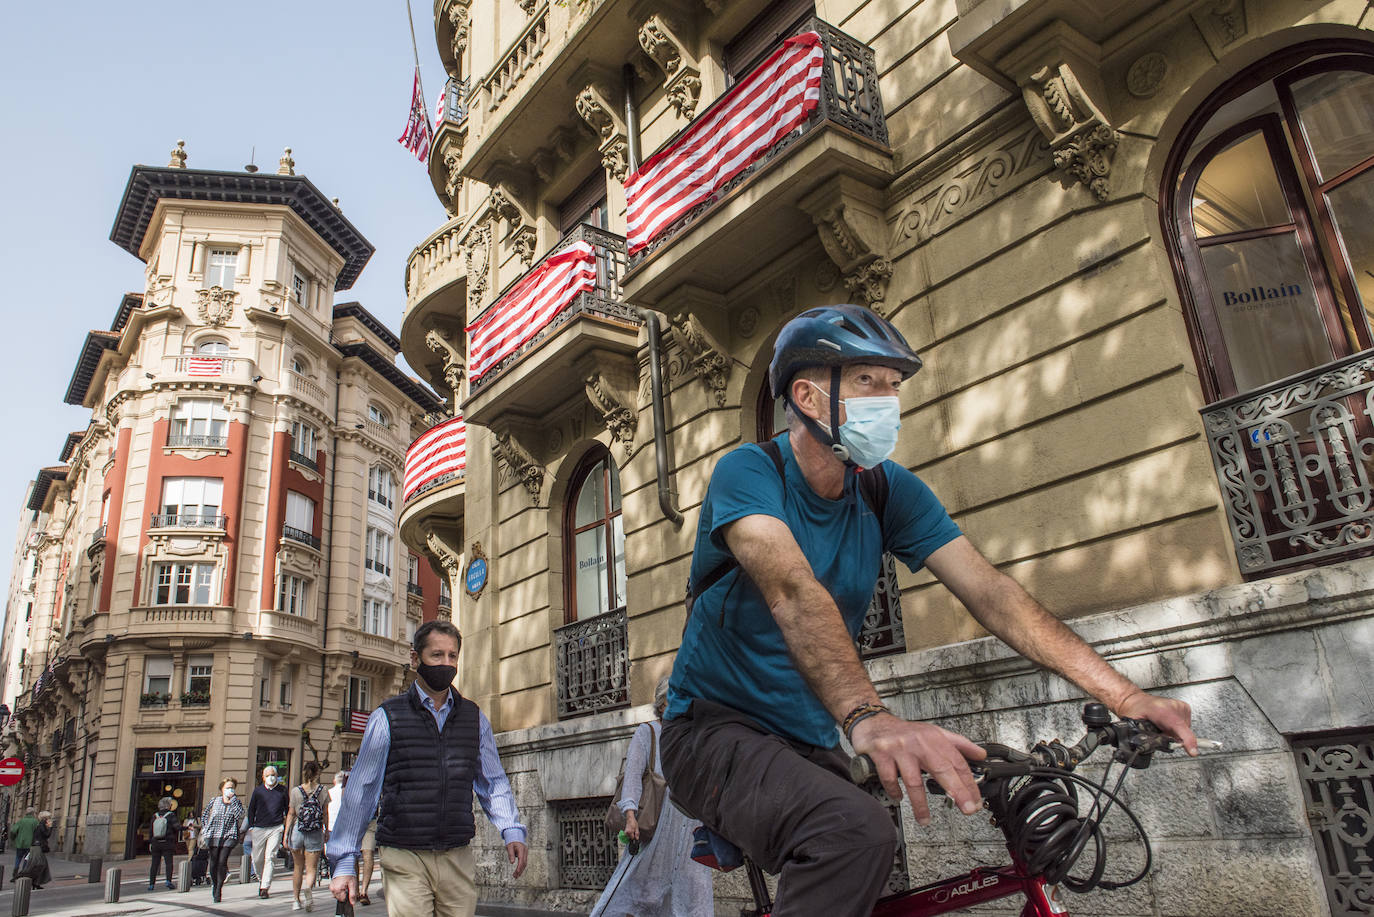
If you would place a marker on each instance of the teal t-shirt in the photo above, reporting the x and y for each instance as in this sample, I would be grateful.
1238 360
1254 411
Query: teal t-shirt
733 652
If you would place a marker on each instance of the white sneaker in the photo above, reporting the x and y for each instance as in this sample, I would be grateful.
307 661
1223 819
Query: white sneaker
309 900
296 905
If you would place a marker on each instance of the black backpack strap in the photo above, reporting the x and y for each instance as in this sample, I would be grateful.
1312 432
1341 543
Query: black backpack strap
873 488
774 452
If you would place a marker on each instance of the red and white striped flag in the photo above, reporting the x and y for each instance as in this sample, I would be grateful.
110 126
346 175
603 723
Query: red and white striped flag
418 133
756 113
439 108
440 450
204 366
357 720
531 305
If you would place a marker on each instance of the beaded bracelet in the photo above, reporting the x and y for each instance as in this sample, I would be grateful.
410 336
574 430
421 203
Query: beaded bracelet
858 715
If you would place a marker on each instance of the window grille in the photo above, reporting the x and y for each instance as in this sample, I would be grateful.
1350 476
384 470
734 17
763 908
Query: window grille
586 853
1338 788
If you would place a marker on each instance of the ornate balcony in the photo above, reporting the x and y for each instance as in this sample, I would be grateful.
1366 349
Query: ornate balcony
593 665
827 174
300 536
593 332
432 336
1295 460
196 441
432 493
188 521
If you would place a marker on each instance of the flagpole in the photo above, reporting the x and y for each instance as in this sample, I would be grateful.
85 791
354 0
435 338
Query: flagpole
415 48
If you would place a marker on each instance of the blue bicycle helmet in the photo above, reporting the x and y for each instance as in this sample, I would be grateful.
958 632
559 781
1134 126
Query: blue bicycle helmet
835 336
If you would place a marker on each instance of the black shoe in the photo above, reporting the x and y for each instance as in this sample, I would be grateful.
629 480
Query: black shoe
170 886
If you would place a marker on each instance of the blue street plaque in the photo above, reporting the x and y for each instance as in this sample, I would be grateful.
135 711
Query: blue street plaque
476 575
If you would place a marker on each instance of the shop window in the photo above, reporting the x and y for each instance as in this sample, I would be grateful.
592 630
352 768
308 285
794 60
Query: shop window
1271 189
595 535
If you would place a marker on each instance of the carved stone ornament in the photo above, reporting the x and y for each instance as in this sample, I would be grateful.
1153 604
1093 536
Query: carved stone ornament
684 92
1081 139
524 242
662 50
594 111
286 165
519 463
593 104
615 159
458 18
216 305
453 184
160 292
478 254
1147 74
665 45
620 417
850 219
705 354
454 367
178 160
1222 23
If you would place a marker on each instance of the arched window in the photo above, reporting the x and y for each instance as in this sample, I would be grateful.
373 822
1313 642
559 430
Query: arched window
378 415
594 534
1271 187
299 365
772 413
213 347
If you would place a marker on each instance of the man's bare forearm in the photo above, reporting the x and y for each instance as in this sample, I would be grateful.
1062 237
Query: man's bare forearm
1008 612
821 648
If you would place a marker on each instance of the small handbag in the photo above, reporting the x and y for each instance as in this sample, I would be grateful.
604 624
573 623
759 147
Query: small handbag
654 790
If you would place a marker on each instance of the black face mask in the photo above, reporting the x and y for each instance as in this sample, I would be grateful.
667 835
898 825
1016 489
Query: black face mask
438 677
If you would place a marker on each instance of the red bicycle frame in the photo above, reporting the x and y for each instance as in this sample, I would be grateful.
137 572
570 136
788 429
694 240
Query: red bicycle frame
982 884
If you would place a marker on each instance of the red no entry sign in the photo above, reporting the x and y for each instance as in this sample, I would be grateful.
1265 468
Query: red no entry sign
11 771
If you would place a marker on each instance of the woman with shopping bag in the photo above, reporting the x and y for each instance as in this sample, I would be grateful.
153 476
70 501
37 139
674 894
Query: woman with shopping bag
656 876
35 865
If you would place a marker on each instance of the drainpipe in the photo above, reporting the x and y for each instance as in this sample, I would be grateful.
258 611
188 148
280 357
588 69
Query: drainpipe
328 558
631 119
665 496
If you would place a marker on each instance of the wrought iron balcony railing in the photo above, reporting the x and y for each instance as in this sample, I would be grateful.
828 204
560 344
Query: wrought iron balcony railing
1294 463
188 521
849 99
415 589
301 458
605 300
455 101
301 536
593 665
196 441
98 536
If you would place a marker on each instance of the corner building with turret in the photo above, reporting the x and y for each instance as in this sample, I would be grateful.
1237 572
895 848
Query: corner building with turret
218 583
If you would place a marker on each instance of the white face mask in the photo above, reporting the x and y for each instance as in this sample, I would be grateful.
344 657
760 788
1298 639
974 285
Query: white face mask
228 792
869 432
269 781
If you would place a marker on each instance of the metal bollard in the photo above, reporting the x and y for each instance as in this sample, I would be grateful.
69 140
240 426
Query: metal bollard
20 905
184 876
112 885
245 870
2 874
97 866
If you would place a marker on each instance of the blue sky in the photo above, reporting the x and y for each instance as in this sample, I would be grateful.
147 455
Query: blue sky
88 89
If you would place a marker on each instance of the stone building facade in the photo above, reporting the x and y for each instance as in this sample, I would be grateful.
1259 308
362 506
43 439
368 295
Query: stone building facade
1125 237
219 582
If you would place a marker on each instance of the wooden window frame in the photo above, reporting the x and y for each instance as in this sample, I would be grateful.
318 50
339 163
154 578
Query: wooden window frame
580 476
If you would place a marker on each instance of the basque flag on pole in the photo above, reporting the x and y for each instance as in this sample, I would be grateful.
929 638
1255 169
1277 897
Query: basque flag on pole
418 133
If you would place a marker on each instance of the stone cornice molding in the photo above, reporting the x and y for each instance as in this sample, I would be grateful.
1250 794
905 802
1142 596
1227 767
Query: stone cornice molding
850 218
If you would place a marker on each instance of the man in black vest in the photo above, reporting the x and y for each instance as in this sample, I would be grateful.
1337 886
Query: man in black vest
425 754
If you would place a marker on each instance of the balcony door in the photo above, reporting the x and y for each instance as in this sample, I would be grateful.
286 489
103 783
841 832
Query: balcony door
596 536
1269 214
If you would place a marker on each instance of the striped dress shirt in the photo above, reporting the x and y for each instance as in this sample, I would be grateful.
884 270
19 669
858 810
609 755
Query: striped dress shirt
364 788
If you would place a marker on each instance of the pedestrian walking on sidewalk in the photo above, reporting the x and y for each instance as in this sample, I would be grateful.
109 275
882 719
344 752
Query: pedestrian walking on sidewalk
35 865
305 833
430 736
267 821
163 829
21 834
221 828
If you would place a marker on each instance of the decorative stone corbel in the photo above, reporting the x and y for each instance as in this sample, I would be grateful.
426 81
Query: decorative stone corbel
704 353
454 364
521 465
595 106
611 389
849 217
453 184
1222 23
666 44
524 242
458 18
1081 139
449 556
528 6
160 292
507 203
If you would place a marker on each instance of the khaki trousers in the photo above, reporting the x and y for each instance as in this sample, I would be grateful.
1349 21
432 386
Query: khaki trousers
429 883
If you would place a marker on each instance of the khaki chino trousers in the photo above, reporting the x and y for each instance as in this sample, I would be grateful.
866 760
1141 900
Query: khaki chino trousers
429 883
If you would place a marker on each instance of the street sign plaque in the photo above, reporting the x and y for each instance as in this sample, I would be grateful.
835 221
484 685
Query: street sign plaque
11 771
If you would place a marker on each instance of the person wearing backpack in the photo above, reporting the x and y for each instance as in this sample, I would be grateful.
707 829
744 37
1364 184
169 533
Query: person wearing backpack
163 831
305 832
768 669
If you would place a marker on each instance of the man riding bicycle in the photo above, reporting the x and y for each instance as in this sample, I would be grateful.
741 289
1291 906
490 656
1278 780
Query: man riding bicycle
788 551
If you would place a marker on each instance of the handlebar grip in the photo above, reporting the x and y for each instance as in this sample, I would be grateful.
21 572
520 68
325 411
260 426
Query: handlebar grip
862 769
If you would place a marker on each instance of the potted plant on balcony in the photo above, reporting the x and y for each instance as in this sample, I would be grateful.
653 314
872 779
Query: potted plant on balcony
199 697
154 699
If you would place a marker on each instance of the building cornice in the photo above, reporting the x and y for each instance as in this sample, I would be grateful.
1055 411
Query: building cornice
369 321
149 184
97 342
39 495
427 400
